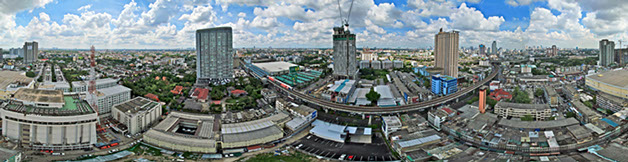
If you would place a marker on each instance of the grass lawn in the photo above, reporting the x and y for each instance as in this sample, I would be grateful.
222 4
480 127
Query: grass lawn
293 157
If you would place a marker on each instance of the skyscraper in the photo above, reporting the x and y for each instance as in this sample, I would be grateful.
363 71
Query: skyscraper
31 51
554 50
607 52
482 49
214 55
494 49
446 52
345 62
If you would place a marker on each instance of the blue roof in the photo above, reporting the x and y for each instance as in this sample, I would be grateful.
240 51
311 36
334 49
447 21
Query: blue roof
610 122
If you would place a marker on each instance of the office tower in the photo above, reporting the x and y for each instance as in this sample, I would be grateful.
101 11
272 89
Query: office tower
494 49
31 51
621 56
345 62
482 49
482 101
214 55
554 50
607 52
444 85
446 52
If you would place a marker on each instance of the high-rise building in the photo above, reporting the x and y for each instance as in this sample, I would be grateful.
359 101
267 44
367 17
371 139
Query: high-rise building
482 101
446 52
214 55
621 56
345 62
494 49
554 50
1 54
607 52
31 51
482 49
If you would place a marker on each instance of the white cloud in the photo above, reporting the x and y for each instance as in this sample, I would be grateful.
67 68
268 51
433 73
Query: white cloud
200 14
471 19
84 8
520 2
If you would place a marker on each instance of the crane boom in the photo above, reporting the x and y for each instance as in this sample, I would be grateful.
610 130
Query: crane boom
349 14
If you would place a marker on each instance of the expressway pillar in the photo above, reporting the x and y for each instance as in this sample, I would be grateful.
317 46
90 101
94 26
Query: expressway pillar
363 116
370 119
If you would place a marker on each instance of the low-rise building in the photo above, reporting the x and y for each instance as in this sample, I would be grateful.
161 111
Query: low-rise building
570 92
390 124
10 155
340 91
137 114
439 116
518 110
551 96
82 86
444 85
585 114
610 102
184 132
499 94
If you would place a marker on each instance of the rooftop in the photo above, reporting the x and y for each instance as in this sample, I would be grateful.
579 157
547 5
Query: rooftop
273 67
37 95
136 104
112 90
617 78
203 123
9 77
538 124
73 105
522 106
251 135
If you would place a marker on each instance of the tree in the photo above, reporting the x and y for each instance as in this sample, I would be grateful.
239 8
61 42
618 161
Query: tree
571 114
373 96
527 118
539 92
491 102
30 74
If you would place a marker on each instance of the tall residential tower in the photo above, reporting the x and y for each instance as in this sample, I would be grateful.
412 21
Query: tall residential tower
494 49
345 62
607 52
31 51
446 52
214 55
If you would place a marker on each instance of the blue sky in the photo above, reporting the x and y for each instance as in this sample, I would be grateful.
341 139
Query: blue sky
514 24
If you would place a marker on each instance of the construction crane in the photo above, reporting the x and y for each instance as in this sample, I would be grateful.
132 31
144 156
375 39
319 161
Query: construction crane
345 21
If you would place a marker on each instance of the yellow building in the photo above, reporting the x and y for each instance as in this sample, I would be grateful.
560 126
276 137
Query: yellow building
613 82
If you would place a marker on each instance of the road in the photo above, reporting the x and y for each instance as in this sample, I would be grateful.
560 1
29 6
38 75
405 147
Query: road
386 110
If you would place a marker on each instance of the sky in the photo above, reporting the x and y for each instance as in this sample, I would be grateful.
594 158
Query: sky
171 24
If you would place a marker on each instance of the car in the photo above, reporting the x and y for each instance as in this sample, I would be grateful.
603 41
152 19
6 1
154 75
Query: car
299 146
342 157
308 137
350 157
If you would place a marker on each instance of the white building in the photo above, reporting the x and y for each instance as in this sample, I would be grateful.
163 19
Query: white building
83 86
436 117
390 124
137 114
107 97
67 123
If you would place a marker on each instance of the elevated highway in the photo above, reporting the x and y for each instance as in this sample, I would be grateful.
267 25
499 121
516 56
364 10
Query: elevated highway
386 110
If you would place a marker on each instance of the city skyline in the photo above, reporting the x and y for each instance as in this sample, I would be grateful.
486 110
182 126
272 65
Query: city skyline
306 24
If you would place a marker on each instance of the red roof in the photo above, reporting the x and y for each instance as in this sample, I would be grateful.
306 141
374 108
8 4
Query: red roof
449 111
177 89
253 147
498 94
217 102
201 93
238 91
152 96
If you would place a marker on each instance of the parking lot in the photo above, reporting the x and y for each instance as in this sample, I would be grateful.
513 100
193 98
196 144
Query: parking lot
376 151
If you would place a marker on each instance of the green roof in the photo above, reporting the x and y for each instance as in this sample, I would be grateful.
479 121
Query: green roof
69 103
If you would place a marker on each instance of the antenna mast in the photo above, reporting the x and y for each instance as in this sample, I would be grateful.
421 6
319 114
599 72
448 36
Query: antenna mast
92 81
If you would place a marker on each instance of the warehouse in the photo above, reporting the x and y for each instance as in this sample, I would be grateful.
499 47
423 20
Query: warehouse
613 82
48 120
137 114
184 132
275 68
253 132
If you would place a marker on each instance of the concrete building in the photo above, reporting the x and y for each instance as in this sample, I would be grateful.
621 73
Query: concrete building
482 99
585 114
214 55
82 86
621 56
48 120
376 64
344 53
275 68
397 64
494 48
446 52
340 91
570 92
184 132
386 98
387 64
368 56
612 82
610 102
107 97
137 114
254 132
365 64
526 69
554 51
607 52
444 85
390 124
537 111
31 52
482 50
551 97
439 116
